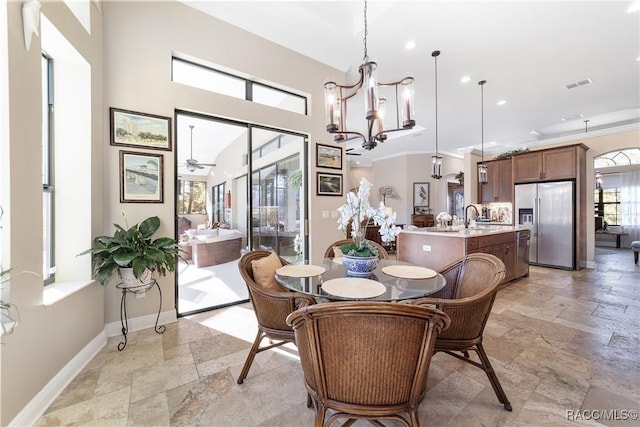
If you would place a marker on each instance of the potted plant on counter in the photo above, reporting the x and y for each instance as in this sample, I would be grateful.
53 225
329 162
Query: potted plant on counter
360 258
133 253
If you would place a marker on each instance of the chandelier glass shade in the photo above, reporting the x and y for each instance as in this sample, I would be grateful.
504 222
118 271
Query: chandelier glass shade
339 99
482 167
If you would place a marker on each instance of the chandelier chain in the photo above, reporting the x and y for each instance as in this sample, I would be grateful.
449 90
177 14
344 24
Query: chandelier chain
365 58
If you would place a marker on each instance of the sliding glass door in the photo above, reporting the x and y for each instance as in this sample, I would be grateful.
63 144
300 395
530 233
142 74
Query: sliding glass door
277 199
229 201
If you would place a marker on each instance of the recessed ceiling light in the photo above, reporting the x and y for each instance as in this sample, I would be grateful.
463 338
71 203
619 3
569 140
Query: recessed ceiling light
501 102
634 7
410 45
465 79
638 58
357 163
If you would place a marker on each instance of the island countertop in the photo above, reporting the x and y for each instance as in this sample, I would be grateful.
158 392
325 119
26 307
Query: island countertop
464 233
436 248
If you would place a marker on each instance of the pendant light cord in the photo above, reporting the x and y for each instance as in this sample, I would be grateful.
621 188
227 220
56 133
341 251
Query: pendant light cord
435 57
481 83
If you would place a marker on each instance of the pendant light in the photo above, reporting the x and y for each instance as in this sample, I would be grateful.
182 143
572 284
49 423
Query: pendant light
482 168
436 159
598 177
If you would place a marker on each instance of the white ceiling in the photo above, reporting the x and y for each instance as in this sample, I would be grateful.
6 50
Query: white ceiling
526 50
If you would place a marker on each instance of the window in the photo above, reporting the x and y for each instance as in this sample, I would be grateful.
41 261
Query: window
217 201
191 197
66 140
207 78
608 205
48 195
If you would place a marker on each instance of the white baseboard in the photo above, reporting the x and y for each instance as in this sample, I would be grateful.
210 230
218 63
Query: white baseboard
138 323
30 414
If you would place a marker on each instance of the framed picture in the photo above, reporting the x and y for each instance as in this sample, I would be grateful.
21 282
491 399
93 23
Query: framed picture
141 179
131 129
420 195
421 210
328 156
329 184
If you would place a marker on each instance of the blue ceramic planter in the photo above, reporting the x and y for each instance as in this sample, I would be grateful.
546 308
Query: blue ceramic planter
359 266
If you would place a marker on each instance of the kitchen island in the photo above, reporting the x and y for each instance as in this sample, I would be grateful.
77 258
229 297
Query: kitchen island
436 248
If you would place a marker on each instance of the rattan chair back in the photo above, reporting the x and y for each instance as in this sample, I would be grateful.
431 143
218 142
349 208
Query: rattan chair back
366 360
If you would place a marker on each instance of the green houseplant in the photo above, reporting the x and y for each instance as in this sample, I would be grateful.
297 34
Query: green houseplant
134 248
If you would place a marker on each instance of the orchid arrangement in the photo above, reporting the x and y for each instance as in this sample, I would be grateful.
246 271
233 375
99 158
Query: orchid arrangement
356 210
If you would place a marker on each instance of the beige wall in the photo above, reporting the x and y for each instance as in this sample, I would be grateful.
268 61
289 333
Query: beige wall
135 56
138 54
48 337
405 169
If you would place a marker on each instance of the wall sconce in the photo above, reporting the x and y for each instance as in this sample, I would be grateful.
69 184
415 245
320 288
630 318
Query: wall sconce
30 20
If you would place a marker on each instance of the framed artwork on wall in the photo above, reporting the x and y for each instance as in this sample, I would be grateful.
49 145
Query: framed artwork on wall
141 177
420 195
141 130
329 184
328 156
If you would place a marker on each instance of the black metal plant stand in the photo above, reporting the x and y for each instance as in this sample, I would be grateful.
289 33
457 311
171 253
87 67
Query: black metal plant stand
138 289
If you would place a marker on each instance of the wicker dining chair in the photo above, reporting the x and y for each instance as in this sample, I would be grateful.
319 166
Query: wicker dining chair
366 360
467 298
271 305
329 253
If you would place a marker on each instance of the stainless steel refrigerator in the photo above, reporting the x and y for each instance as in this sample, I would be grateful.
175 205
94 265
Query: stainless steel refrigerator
548 208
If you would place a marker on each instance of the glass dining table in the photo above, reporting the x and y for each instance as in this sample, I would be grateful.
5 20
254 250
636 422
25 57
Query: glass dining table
391 281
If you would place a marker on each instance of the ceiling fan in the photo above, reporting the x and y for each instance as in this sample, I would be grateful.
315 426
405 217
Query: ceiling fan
350 153
191 163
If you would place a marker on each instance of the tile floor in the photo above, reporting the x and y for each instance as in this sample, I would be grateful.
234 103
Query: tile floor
560 341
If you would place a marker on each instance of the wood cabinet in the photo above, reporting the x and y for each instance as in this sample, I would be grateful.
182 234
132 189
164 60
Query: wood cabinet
547 165
499 186
503 246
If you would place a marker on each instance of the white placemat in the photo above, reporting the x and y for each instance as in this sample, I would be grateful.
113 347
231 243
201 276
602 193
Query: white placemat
353 287
409 272
300 270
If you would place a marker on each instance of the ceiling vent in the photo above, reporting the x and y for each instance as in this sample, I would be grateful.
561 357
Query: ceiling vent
576 84
573 117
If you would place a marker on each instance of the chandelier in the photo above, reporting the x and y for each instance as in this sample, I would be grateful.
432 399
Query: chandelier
337 97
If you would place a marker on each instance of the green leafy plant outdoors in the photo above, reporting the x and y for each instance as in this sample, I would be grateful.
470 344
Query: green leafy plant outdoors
133 247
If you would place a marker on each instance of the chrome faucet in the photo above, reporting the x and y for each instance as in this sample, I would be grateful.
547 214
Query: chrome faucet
466 218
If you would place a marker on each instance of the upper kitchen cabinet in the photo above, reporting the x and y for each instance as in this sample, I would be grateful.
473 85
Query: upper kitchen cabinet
547 165
499 186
